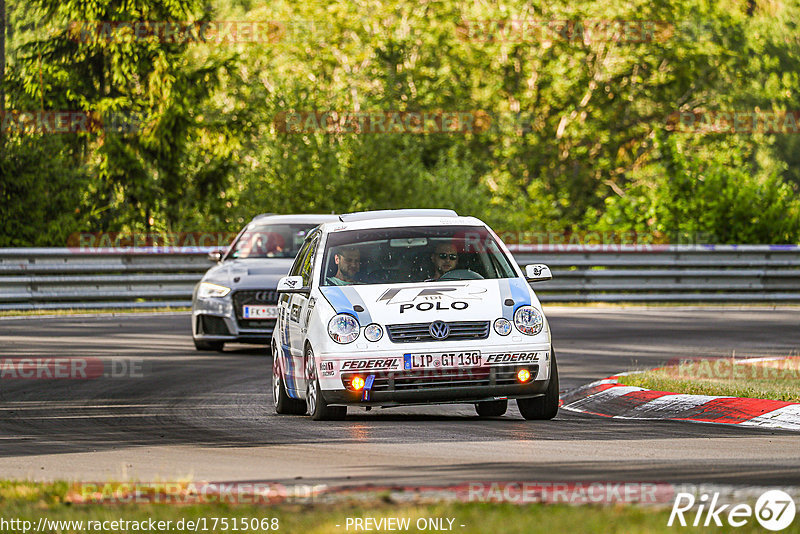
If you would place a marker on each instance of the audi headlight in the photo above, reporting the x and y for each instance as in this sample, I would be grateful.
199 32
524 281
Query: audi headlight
343 328
373 332
528 320
207 289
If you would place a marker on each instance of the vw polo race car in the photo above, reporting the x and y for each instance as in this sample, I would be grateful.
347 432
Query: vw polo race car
405 307
236 299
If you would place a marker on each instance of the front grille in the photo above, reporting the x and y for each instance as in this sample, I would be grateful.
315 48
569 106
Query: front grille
422 379
416 332
267 297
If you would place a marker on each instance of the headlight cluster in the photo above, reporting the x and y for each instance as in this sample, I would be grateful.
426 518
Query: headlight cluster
373 332
207 289
344 328
502 326
528 320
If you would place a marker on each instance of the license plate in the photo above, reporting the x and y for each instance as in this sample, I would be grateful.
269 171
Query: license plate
259 312
437 360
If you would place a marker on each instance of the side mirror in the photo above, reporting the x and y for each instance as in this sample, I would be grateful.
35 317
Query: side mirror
538 272
292 284
216 255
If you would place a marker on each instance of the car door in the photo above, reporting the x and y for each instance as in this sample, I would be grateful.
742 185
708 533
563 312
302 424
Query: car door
295 313
285 302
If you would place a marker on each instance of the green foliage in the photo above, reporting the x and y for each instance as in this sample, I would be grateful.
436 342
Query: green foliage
584 142
708 193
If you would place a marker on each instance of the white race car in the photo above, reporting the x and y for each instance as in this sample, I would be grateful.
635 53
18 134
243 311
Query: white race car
404 307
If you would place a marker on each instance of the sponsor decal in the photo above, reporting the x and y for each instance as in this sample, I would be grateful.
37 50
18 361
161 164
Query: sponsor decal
404 295
520 357
438 306
387 363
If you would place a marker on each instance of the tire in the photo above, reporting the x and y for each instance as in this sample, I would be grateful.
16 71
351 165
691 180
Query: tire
491 408
284 404
546 406
209 345
318 409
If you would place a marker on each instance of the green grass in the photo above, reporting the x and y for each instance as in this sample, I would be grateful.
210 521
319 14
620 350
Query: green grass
29 501
776 380
71 311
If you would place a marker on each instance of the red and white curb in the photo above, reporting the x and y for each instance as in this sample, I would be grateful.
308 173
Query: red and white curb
609 398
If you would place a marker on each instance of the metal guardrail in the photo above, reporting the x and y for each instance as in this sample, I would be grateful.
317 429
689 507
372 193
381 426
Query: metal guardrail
49 278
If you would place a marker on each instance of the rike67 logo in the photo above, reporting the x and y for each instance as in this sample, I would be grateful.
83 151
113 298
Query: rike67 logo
774 510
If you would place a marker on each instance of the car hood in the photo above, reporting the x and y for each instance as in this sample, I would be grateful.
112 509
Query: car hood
249 273
461 300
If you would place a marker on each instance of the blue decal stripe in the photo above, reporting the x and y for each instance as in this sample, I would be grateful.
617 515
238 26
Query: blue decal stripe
337 299
364 318
343 298
520 292
505 293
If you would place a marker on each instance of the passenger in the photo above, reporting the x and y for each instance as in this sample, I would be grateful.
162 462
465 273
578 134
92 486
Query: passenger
348 262
444 258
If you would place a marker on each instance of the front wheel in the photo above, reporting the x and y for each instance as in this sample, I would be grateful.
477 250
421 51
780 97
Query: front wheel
318 409
546 406
491 408
284 404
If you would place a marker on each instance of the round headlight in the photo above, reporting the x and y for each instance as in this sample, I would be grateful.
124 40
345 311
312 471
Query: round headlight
373 332
343 328
502 326
528 320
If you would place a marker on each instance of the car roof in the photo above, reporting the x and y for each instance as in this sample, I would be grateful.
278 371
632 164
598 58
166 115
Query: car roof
393 220
300 218
391 214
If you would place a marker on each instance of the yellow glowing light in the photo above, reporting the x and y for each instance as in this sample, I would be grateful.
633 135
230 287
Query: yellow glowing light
357 383
523 375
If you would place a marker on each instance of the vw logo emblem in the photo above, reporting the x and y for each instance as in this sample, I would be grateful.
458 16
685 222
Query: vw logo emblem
265 296
439 330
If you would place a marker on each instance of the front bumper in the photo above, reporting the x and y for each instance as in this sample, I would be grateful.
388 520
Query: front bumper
395 384
214 319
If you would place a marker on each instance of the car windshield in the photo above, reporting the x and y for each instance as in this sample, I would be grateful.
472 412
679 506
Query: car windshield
413 254
270 241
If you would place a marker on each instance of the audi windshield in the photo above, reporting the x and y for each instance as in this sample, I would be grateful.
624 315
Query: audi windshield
270 241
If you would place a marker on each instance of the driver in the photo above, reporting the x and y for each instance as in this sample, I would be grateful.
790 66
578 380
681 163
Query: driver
444 258
348 262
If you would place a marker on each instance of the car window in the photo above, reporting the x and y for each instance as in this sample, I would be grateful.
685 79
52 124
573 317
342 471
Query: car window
307 263
270 241
298 261
413 254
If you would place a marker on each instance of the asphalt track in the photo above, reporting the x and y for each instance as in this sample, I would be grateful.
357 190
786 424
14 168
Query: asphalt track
208 416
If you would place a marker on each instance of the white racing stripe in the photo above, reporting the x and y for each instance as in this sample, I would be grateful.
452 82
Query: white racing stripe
601 396
787 417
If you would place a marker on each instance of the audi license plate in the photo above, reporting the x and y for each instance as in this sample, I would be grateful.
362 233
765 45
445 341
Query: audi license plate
259 312
436 360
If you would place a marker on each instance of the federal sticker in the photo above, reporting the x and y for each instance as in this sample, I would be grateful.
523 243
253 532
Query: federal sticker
385 363
513 357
